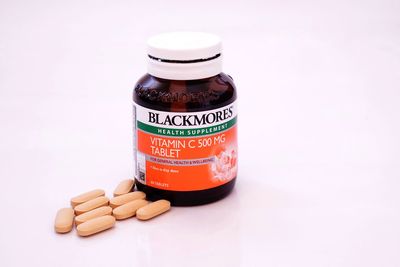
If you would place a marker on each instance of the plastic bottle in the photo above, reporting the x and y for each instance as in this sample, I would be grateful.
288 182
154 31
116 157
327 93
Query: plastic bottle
185 132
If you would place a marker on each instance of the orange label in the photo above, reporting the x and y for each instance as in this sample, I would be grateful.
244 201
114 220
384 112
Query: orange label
185 151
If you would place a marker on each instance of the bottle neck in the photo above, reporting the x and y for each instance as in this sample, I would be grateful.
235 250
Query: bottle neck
184 70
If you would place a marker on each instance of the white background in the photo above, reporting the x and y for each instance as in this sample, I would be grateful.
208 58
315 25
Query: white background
319 118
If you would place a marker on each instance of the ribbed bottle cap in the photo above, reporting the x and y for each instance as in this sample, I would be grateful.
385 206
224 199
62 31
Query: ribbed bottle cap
184 55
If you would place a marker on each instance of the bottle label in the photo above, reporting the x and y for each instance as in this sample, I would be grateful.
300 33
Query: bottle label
185 151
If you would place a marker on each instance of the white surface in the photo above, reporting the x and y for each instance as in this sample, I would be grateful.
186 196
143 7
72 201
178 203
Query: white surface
319 132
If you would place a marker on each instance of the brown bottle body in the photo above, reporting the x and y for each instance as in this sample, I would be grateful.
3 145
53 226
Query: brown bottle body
185 96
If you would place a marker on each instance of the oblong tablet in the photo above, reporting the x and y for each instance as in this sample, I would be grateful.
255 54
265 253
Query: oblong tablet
95 225
105 210
91 205
122 199
124 187
129 209
153 209
82 198
64 220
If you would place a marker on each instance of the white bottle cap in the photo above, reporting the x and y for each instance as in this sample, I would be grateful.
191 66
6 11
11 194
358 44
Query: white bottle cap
184 55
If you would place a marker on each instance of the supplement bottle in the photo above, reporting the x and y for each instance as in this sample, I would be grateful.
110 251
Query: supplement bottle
185 113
